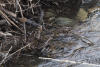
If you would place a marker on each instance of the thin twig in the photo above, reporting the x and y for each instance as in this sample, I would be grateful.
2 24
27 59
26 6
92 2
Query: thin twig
20 8
22 17
41 17
3 61
35 4
46 43
9 20
19 50
25 31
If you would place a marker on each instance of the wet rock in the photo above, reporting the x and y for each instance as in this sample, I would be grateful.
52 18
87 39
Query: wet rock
63 21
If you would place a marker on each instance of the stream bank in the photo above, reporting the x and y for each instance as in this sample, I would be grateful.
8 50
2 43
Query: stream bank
50 29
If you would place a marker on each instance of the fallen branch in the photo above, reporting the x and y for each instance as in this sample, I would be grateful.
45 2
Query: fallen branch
9 20
68 61
9 12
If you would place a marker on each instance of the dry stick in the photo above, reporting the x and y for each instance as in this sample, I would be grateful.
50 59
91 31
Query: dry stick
9 12
46 43
33 5
18 50
5 56
22 17
20 8
9 20
30 1
68 61
41 17
25 31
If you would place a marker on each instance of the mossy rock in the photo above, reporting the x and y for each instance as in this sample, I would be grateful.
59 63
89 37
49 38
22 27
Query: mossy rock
63 21
81 15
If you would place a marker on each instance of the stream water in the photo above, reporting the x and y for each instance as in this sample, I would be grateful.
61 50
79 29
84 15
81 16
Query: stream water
85 47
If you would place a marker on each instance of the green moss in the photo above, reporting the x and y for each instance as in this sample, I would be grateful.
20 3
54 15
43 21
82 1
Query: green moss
81 15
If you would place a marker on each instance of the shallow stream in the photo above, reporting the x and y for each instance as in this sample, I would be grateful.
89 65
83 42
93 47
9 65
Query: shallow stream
84 48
